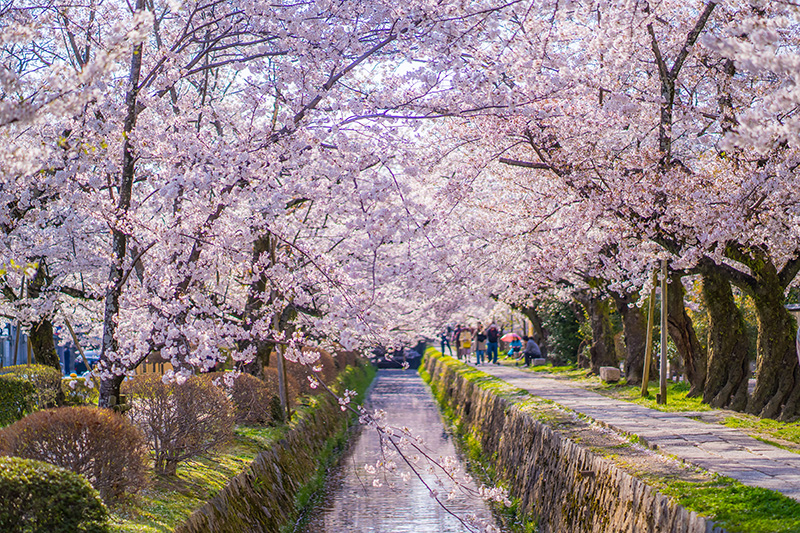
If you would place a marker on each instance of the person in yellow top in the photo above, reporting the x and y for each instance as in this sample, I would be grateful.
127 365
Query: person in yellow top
464 343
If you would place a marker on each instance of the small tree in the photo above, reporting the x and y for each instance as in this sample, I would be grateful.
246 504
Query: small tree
180 421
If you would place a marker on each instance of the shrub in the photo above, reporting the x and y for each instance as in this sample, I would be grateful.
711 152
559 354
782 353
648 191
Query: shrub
36 497
251 397
180 421
45 379
17 398
97 443
79 391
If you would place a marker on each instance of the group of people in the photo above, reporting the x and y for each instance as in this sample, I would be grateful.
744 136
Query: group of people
484 342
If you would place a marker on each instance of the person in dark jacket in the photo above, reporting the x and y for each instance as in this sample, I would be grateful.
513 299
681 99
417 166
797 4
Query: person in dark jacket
532 350
492 337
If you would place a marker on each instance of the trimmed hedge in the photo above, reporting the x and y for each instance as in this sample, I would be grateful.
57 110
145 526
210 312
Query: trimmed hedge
17 398
37 497
46 381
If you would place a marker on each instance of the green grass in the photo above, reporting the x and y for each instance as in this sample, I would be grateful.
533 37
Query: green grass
763 428
169 501
736 507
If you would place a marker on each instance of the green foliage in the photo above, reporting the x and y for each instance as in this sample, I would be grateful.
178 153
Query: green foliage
45 379
564 331
37 497
738 508
79 391
17 398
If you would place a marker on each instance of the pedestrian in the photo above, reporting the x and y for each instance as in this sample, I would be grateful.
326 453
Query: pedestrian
515 347
480 344
532 350
445 339
456 333
492 336
464 343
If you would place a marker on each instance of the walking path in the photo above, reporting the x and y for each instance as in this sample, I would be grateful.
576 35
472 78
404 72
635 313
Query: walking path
716 448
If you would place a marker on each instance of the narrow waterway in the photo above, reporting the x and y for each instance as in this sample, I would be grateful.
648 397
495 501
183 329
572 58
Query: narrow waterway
352 503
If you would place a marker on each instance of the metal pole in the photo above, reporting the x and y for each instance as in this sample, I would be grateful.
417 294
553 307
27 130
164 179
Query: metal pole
15 359
282 383
662 397
648 352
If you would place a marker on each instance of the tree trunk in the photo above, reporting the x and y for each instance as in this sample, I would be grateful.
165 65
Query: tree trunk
634 323
40 336
776 393
602 352
42 343
681 330
726 380
539 331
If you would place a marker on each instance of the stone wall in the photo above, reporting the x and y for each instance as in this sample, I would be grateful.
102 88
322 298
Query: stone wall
262 497
566 487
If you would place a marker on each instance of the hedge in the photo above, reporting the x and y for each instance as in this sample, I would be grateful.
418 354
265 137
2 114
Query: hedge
37 497
17 398
45 379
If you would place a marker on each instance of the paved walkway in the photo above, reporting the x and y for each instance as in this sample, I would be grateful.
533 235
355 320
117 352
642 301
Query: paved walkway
716 448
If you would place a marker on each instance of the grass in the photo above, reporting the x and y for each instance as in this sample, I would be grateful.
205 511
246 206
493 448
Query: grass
738 508
766 429
170 500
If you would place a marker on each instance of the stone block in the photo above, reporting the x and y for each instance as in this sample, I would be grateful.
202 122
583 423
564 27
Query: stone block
609 374
538 361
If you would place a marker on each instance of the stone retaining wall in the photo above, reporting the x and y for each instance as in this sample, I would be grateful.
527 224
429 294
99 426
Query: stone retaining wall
565 486
262 497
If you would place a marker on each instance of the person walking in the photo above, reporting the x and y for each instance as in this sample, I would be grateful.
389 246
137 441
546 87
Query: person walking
532 350
456 333
445 339
480 344
492 337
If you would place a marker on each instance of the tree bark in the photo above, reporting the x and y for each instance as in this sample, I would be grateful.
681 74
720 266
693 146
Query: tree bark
634 323
40 335
776 392
681 330
601 352
726 380
540 333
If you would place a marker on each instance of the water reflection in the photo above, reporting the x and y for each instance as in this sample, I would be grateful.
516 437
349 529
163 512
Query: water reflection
354 504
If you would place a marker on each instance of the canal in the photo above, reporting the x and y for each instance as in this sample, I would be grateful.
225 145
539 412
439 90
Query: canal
353 503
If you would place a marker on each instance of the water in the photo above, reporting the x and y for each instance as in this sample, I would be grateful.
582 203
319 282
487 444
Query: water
352 503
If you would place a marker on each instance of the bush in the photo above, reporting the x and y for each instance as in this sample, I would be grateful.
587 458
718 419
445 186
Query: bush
79 391
97 443
17 398
180 421
36 497
45 379
251 397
